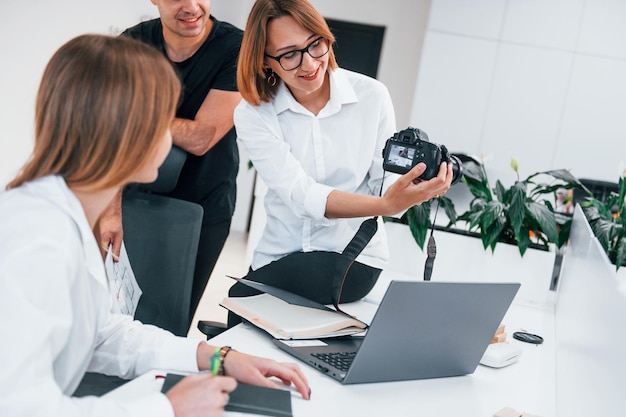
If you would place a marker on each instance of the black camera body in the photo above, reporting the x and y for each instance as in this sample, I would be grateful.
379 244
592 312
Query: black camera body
411 146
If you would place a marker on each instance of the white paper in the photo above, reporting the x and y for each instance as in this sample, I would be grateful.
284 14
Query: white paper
123 287
304 343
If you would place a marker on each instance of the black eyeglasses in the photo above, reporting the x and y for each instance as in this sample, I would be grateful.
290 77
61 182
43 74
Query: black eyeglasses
291 60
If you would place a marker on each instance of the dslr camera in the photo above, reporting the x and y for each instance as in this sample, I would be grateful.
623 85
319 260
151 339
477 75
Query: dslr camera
411 146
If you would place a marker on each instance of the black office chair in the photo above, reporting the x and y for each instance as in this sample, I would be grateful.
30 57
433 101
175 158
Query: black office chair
161 235
211 328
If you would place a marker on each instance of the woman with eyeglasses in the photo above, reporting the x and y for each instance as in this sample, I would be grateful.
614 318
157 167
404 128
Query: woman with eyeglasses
315 134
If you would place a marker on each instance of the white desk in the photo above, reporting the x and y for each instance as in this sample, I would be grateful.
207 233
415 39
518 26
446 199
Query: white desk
577 371
526 386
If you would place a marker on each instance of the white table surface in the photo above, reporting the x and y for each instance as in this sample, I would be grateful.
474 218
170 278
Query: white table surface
526 386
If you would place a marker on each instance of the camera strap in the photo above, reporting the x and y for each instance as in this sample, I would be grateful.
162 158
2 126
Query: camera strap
431 249
366 231
431 253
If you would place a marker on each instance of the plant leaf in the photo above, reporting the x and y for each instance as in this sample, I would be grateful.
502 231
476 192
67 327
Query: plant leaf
622 195
545 219
477 188
500 191
546 188
491 212
605 208
418 219
491 235
523 240
472 216
620 253
564 232
603 229
448 207
517 210
565 176
474 171
591 210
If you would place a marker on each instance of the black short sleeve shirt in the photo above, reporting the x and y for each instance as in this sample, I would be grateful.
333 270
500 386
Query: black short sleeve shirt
210 179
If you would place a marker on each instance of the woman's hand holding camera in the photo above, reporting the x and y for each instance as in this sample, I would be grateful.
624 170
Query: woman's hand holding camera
409 190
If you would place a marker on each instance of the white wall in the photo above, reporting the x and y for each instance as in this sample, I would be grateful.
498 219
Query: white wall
543 81
30 33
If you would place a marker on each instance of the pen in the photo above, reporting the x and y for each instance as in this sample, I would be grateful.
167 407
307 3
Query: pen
370 301
109 249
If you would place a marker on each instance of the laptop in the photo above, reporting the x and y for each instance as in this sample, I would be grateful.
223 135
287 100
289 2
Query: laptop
422 329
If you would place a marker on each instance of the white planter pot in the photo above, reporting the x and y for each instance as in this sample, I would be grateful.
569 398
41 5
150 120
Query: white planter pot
463 258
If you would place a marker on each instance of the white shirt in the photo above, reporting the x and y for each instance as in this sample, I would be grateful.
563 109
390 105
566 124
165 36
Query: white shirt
55 318
303 157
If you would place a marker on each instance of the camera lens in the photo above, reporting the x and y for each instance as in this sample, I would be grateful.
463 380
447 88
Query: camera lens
457 168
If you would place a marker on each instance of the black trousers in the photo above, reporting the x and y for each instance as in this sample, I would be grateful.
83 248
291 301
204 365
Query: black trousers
311 275
212 240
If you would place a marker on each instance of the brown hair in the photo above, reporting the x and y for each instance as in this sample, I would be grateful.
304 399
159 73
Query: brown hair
251 76
103 105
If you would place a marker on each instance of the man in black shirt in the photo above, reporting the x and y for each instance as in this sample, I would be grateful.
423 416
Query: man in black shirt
204 52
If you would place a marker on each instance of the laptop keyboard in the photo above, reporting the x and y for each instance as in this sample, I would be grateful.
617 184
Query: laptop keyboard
340 360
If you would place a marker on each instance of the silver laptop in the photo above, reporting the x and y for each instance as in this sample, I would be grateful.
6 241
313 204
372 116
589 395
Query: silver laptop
422 329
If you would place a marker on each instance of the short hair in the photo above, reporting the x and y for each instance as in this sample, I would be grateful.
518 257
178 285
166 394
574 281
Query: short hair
103 106
251 76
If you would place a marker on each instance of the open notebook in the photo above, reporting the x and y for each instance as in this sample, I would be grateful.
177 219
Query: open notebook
285 315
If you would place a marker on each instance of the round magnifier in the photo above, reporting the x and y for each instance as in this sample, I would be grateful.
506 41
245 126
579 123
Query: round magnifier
528 338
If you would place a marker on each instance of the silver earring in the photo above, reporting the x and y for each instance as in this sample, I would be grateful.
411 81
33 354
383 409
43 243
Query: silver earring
271 79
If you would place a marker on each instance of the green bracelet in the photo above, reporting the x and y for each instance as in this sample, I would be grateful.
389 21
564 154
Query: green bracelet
216 364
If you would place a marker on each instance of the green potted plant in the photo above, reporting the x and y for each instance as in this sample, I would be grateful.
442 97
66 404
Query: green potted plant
519 214
608 222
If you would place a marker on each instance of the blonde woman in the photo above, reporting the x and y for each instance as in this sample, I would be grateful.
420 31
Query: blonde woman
102 120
